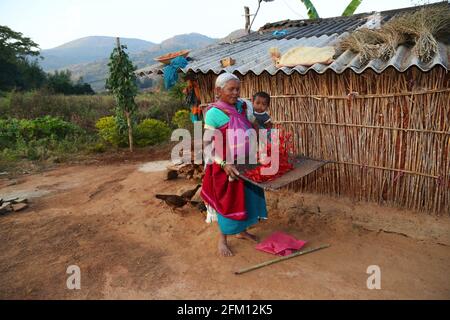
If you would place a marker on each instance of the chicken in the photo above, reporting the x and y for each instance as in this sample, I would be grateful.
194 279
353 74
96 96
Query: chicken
188 195
173 201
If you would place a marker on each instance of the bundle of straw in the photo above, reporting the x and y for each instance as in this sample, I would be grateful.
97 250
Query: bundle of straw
419 28
371 44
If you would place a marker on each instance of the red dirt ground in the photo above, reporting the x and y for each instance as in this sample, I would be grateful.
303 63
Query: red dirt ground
103 217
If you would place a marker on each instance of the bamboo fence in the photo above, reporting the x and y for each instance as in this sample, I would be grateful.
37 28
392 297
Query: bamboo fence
387 135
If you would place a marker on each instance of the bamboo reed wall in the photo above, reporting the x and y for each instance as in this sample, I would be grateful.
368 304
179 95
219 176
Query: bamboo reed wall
389 143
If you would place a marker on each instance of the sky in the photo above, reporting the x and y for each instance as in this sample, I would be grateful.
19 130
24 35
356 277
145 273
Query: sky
51 23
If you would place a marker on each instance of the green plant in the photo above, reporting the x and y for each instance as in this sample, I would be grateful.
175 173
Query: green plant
161 106
122 83
81 110
16 50
109 132
47 126
349 10
182 119
151 131
9 133
98 147
14 131
176 91
312 12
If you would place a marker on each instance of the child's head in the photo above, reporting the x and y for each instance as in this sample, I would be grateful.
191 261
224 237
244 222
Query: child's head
261 101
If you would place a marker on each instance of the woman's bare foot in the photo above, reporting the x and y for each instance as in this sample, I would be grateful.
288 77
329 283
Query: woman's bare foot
248 236
224 250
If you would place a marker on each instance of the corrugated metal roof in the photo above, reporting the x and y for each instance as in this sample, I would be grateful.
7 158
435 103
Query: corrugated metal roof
251 52
327 26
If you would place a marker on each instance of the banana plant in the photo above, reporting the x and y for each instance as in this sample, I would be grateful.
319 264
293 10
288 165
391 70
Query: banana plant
312 12
351 8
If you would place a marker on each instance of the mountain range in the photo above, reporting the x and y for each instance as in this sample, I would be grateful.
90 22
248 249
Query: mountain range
88 57
86 50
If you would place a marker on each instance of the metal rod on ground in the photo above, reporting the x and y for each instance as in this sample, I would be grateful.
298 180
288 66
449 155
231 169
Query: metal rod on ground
268 263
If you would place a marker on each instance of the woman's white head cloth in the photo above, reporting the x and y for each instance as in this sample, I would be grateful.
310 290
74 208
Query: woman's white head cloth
224 78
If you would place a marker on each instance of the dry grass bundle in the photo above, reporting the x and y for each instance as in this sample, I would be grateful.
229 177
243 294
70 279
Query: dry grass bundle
422 27
419 28
368 42
392 41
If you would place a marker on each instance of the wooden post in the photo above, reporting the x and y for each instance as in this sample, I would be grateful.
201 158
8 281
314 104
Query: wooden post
130 131
247 19
118 43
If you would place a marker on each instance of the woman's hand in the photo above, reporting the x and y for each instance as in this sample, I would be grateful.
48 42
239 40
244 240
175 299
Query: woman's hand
231 171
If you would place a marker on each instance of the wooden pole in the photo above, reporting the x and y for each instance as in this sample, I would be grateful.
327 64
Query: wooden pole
268 263
247 19
118 43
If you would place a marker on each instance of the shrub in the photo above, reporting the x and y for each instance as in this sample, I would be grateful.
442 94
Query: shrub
9 133
13 131
150 132
80 110
161 106
84 110
108 130
182 119
97 148
40 139
46 127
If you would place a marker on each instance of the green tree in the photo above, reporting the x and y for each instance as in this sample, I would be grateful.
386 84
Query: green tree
349 10
61 82
122 83
30 75
16 68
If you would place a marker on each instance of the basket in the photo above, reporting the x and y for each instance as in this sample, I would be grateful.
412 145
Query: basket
165 59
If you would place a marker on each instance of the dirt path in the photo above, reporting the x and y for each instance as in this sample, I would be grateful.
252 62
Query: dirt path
105 219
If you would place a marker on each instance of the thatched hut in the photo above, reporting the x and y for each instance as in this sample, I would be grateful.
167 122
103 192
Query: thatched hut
383 123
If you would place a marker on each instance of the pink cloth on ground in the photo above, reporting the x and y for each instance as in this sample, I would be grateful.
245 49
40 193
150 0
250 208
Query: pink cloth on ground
281 244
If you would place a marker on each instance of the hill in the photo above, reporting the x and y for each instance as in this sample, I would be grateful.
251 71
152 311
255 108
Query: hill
94 65
87 50
95 72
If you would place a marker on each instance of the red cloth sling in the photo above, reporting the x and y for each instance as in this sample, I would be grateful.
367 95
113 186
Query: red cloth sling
226 197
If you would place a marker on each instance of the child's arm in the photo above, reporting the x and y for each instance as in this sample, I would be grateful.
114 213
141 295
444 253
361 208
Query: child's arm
268 123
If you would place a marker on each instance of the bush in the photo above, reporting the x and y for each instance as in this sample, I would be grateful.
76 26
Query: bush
182 119
108 130
161 106
9 133
150 132
14 131
80 110
97 148
47 127
40 139
83 110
